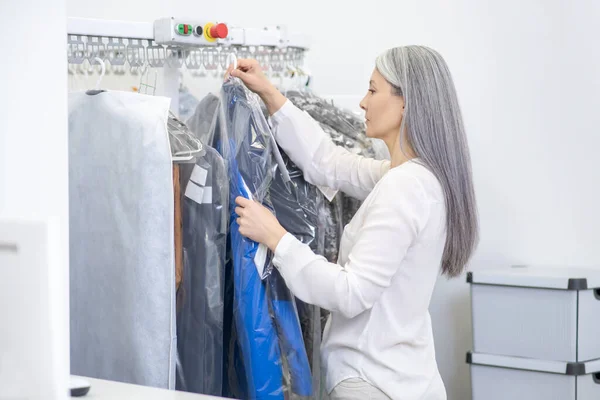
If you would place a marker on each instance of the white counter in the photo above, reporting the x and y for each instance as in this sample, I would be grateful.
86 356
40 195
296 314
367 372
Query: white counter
108 390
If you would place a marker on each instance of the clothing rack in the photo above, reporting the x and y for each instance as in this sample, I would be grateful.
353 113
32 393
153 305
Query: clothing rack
277 36
146 44
160 51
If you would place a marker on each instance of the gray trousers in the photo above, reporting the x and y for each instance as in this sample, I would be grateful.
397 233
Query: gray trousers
357 389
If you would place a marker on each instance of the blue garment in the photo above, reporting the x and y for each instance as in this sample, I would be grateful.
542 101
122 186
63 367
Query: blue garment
264 312
292 342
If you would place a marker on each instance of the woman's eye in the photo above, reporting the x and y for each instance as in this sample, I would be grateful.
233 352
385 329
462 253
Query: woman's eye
371 90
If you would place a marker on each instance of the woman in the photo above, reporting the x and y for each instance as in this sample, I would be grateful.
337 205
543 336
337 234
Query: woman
418 216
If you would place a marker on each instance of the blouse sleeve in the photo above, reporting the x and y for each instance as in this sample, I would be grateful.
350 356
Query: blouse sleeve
395 217
322 162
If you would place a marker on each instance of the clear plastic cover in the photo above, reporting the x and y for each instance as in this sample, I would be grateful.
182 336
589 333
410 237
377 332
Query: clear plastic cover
184 144
341 140
266 357
350 206
201 120
200 298
187 103
296 205
329 228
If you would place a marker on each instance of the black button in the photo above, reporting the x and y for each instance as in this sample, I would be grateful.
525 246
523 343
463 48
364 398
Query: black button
198 30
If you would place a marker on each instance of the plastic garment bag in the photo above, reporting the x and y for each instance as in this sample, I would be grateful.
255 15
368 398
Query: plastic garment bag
187 103
201 120
204 123
350 207
184 144
341 140
122 277
200 298
270 343
296 204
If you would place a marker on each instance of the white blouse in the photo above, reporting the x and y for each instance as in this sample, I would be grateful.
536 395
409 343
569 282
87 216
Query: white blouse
389 259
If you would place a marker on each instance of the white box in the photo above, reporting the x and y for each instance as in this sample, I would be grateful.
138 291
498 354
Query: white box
502 378
166 32
33 365
545 313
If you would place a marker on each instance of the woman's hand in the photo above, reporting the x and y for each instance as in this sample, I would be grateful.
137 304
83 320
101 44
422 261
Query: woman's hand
251 73
258 223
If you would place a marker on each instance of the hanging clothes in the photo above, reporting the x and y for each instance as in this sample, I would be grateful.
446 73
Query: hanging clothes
203 123
200 299
201 120
296 205
122 278
178 226
265 317
187 103
184 144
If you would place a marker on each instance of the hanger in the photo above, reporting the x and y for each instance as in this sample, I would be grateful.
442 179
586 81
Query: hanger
103 71
304 72
232 60
184 144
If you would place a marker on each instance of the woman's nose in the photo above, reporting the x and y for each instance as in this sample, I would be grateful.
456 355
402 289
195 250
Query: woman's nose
363 105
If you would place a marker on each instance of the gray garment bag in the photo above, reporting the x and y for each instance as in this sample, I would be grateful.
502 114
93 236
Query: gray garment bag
121 219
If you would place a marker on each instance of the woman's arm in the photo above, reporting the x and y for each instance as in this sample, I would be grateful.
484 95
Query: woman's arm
322 162
398 213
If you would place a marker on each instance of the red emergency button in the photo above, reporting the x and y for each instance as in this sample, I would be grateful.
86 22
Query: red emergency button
219 31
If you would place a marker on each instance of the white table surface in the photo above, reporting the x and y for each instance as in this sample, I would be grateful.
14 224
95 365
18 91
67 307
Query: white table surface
109 390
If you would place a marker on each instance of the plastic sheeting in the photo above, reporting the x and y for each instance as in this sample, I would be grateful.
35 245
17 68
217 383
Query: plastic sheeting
187 103
296 204
267 329
183 142
122 279
303 211
200 298
201 120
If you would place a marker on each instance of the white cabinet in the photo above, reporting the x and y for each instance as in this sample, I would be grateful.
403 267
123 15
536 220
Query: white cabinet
535 312
500 378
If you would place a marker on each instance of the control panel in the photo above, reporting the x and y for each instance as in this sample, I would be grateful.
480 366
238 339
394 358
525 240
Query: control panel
172 31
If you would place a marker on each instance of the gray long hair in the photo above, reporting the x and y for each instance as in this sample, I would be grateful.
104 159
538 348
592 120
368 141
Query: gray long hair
434 127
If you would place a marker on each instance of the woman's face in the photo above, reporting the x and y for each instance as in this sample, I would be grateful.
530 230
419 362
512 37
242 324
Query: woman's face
383 109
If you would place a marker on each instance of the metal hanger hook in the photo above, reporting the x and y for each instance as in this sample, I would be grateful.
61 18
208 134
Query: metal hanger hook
233 59
103 66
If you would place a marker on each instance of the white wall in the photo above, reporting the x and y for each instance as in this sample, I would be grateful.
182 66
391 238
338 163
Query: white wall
527 73
33 164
